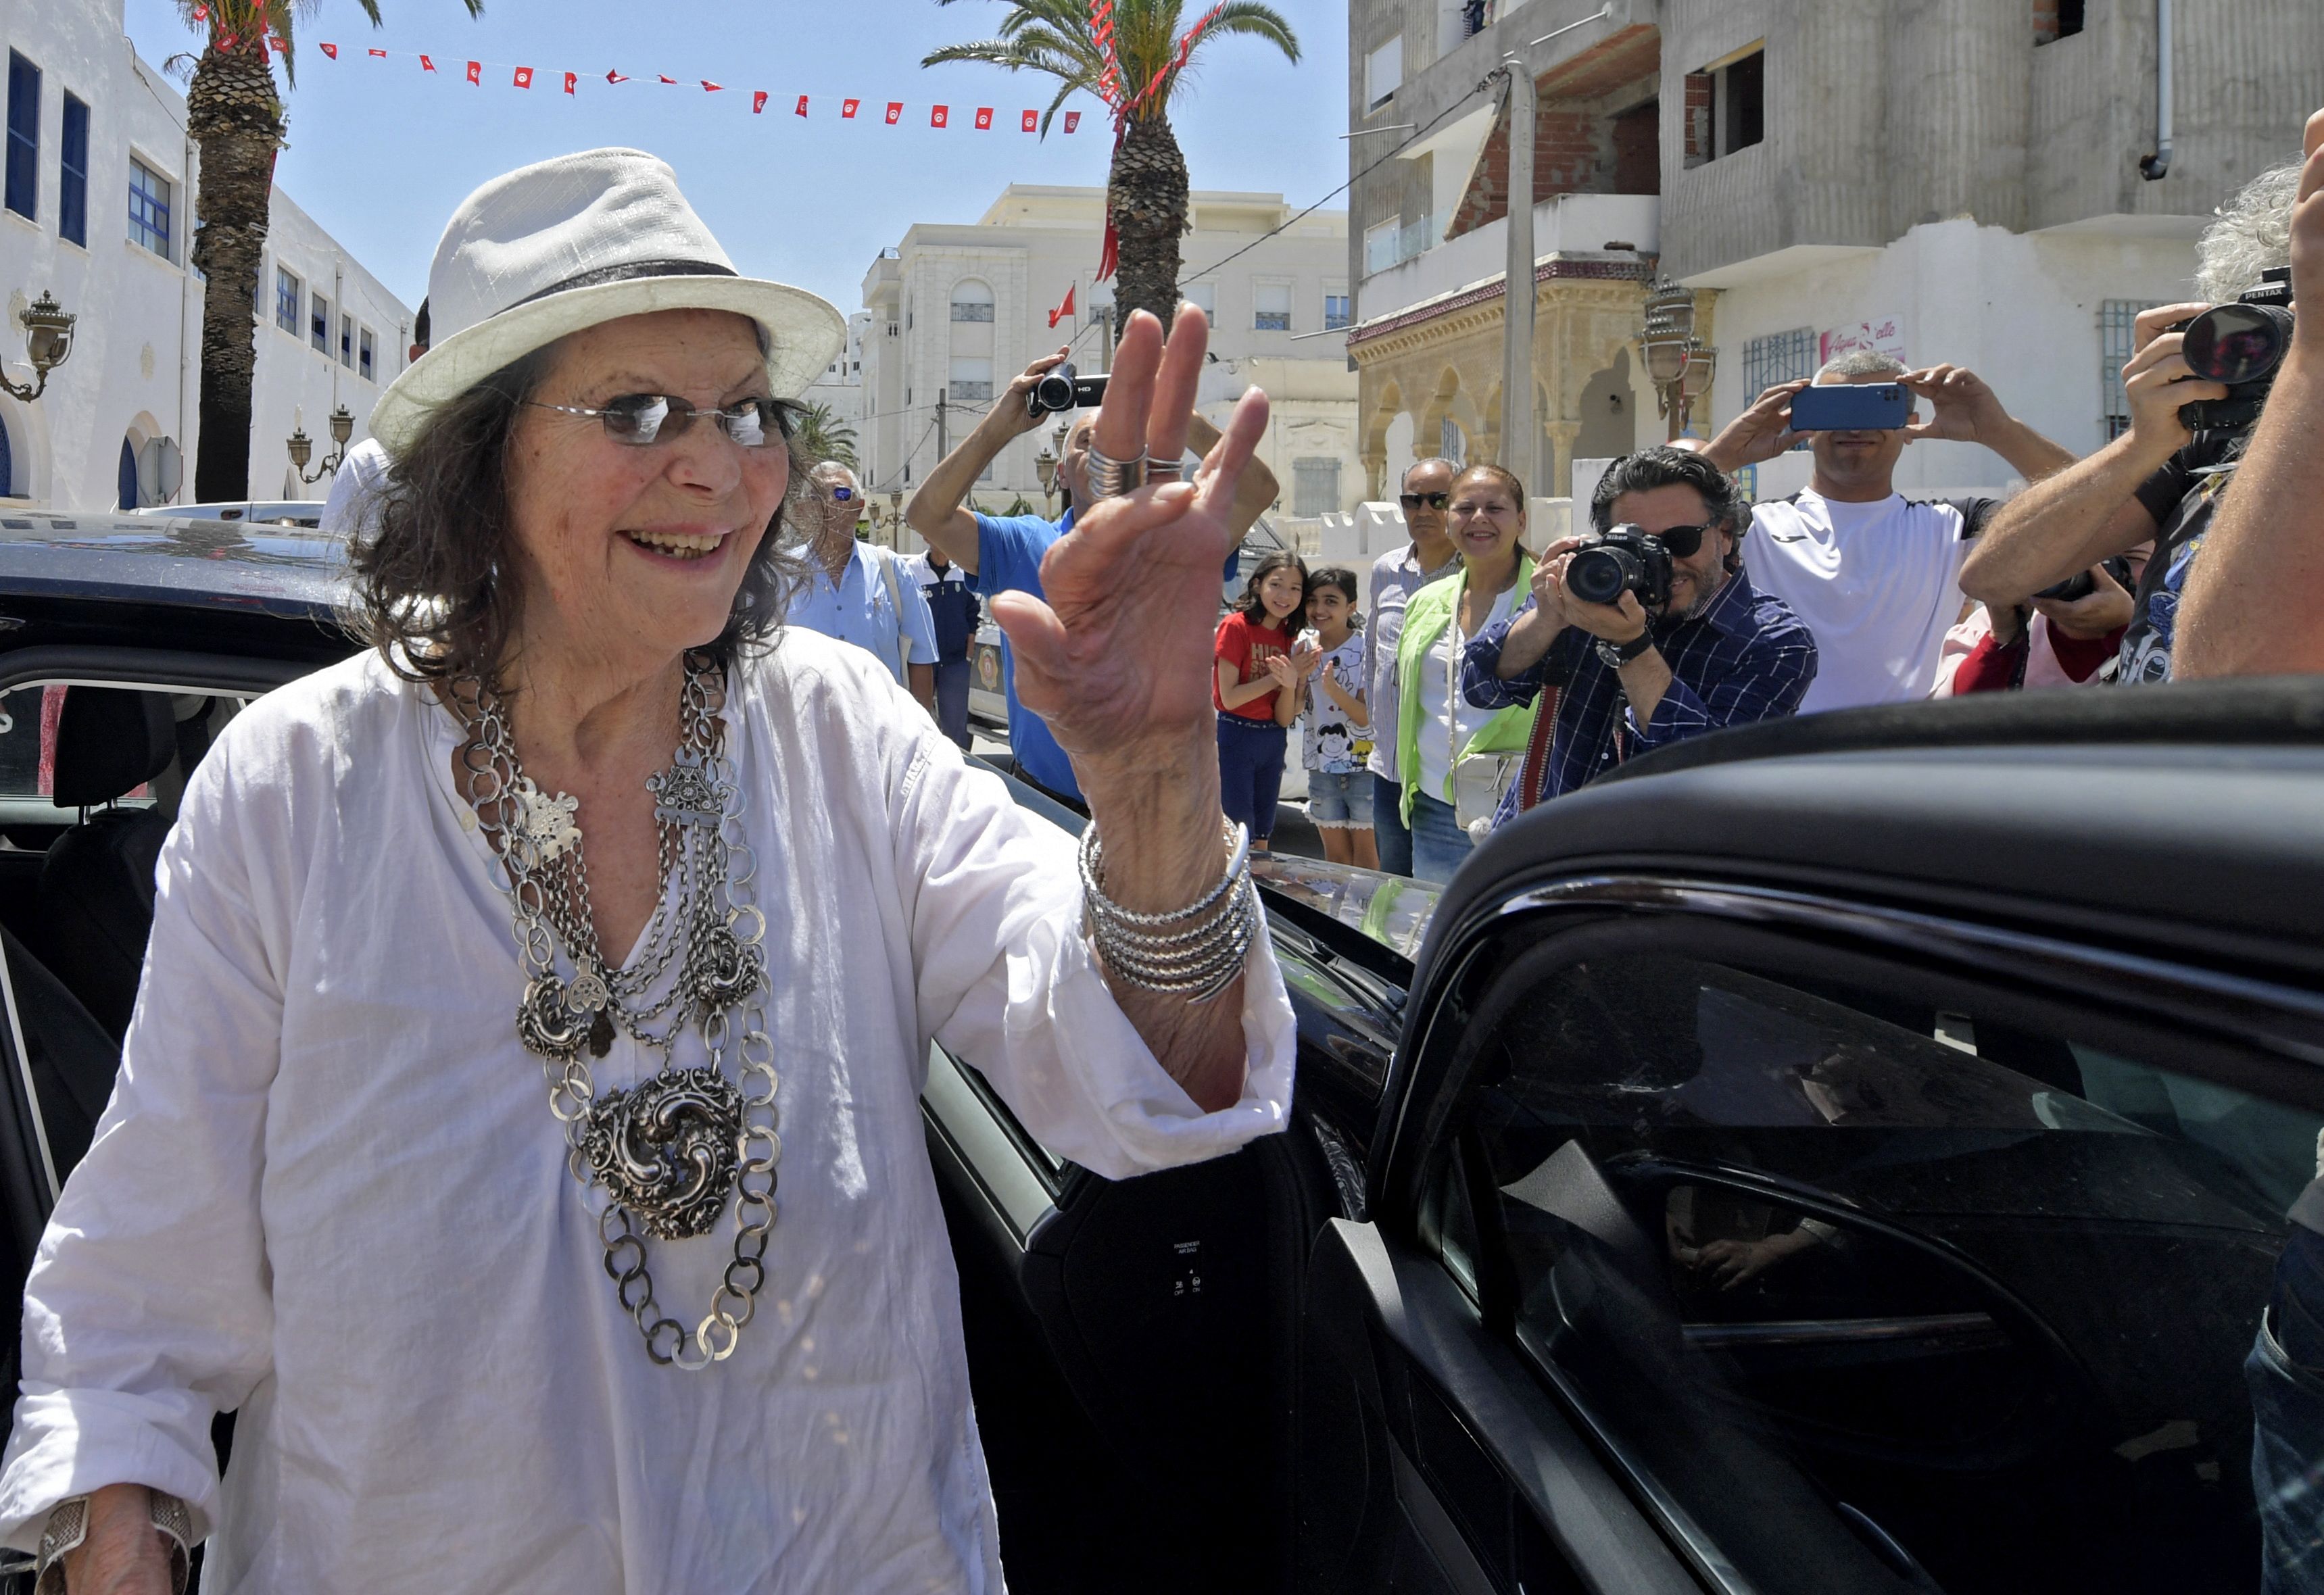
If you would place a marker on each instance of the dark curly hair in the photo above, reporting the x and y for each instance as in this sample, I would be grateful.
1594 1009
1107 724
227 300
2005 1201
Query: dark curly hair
1659 466
429 588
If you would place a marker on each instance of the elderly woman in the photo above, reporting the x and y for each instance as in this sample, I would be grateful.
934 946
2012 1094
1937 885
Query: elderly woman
583 815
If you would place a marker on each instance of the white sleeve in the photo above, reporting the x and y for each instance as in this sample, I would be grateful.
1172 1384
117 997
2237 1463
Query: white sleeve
1006 980
148 1309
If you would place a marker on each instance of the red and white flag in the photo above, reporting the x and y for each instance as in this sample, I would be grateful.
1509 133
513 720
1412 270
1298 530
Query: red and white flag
476 73
1073 121
984 117
425 65
895 112
615 77
710 87
524 77
847 110
381 53
1031 122
571 79
278 44
758 101
1062 311
201 14
332 50
939 116
801 109
671 81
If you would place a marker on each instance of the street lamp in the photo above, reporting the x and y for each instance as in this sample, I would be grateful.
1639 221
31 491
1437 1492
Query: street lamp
48 341
1678 363
343 427
893 520
1045 466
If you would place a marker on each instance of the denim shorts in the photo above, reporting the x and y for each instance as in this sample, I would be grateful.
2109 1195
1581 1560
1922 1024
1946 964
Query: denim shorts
1340 800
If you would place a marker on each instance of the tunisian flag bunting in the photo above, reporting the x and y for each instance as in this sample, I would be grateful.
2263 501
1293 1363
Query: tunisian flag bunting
1073 121
616 77
895 112
758 101
1062 311
937 117
671 81
1031 122
801 109
710 87
381 53
571 79
847 109
332 50
984 117
524 77
425 65
476 73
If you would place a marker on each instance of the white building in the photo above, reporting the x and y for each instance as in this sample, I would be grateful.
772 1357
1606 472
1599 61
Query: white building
95 209
956 312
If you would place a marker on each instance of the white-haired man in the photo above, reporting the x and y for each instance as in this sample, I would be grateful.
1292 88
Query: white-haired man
1875 576
2158 481
861 593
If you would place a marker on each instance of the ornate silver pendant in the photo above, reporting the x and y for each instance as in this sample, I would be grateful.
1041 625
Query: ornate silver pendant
548 1022
669 1150
686 793
724 973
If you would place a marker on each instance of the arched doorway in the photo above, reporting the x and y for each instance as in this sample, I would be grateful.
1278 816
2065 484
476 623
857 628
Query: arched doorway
127 477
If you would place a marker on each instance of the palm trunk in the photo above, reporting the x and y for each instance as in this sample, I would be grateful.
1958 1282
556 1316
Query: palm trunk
233 113
1148 200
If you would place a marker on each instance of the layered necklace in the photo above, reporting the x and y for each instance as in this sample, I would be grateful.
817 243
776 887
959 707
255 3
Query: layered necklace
671 1151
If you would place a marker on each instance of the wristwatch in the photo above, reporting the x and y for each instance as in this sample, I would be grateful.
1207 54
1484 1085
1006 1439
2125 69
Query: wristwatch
67 1526
1618 654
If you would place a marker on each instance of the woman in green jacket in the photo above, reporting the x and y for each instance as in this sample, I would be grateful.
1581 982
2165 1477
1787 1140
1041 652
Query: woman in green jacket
1456 759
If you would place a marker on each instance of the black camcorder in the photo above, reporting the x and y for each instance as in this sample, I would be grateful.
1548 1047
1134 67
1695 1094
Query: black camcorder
1060 389
2240 345
1622 559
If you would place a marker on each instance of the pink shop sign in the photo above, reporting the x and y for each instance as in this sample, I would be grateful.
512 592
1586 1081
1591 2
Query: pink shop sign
1884 332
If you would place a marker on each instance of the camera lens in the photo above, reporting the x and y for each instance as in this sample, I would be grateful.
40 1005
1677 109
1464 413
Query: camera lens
1598 575
2234 343
1054 392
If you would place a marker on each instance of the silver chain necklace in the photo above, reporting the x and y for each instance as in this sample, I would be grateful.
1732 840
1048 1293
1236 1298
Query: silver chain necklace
669 1151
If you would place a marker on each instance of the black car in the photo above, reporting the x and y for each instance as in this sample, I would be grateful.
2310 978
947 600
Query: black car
1844 1155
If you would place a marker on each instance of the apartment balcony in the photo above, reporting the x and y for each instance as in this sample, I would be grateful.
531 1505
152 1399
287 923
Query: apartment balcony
1413 261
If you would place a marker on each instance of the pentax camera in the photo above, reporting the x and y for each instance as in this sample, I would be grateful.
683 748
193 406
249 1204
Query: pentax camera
2240 345
1060 389
1622 559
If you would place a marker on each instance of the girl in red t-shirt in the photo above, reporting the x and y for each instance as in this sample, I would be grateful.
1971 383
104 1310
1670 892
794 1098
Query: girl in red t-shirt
1254 711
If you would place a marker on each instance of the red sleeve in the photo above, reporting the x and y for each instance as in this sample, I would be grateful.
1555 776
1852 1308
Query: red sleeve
1232 647
1988 667
2078 657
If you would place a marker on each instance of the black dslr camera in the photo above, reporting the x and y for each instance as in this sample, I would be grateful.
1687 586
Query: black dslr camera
1059 390
2240 345
1623 559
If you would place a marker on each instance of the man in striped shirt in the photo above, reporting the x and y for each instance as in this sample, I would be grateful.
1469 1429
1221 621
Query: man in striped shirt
1718 652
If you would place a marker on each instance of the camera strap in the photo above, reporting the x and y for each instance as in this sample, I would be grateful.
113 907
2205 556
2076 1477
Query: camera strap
1535 770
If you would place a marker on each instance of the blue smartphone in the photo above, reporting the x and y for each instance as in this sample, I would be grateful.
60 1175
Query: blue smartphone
1851 406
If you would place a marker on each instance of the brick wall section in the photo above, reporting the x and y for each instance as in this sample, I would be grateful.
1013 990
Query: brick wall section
2046 21
1697 120
1565 161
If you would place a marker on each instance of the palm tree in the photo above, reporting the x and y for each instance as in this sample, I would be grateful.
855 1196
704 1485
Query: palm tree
823 435
1146 191
233 114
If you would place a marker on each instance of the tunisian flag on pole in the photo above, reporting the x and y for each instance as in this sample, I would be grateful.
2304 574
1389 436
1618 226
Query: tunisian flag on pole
1062 311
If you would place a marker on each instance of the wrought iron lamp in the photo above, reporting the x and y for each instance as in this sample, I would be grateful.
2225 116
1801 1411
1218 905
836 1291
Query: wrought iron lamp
1677 363
302 447
48 341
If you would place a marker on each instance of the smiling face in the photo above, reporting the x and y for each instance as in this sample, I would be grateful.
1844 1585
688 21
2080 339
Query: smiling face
634 551
1862 463
1484 519
1328 608
1281 594
1696 579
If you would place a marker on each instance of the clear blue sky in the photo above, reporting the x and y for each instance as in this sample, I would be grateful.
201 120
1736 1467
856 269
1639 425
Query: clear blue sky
379 151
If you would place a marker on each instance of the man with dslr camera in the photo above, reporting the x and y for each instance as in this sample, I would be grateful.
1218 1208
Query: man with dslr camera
1003 553
2165 477
1648 630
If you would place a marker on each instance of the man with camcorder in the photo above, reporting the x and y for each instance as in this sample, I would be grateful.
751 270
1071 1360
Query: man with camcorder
1875 576
1646 630
2196 383
1003 553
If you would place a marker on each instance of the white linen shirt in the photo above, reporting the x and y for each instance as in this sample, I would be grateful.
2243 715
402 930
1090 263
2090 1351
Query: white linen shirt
894 625
328 1191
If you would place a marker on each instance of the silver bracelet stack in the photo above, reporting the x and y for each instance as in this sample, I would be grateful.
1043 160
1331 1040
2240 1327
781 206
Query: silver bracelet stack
1196 951
1110 477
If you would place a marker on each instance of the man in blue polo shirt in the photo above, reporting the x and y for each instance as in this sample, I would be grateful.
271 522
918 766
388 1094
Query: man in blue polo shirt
1003 553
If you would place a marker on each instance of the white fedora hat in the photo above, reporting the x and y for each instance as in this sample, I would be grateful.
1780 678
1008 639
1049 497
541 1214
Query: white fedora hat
548 249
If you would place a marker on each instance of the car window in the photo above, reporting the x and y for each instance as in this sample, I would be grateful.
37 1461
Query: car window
28 740
1852 1279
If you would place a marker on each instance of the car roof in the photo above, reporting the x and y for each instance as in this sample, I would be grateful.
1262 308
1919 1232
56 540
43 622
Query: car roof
178 562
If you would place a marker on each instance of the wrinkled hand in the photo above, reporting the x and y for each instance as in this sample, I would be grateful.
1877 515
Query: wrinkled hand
1967 410
1760 433
1120 657
125 1554
2105 608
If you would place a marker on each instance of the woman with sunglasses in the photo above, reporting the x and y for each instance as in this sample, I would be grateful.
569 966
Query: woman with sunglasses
495 972
1457 759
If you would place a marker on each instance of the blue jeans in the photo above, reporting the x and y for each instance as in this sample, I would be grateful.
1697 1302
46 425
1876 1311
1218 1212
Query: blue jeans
952 701
1439 844
1251 772
1388 830
2285 1372
1340 800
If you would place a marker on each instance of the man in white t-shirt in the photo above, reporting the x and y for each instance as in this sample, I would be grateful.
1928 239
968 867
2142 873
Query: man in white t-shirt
1875 576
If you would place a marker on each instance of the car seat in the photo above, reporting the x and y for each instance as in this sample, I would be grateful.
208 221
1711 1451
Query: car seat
96 886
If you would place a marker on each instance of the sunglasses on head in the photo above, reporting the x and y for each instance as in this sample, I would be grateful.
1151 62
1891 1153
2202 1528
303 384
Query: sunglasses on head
1434 500
640 420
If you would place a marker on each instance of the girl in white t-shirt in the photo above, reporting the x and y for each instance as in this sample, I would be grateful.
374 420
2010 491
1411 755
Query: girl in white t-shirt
1335 722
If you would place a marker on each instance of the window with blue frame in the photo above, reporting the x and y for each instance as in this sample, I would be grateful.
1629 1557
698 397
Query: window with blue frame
149 207
318 322
286 300
72 174
1335 312
23 181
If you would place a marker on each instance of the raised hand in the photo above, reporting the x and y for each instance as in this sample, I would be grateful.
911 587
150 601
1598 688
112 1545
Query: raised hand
1760 433
1967 410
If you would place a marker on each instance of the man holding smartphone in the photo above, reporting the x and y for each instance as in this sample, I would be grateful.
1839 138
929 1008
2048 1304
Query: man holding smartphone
1875 576
1003 553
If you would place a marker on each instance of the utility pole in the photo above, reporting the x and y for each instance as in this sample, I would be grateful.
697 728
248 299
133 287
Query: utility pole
1517 429
943 447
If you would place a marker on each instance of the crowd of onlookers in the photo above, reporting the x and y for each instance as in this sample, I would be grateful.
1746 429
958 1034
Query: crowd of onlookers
1475 675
